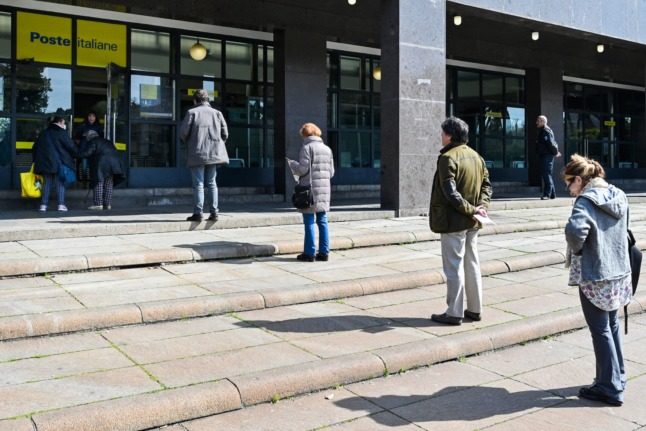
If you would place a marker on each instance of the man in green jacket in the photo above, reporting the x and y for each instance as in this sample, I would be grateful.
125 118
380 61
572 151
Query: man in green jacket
461 192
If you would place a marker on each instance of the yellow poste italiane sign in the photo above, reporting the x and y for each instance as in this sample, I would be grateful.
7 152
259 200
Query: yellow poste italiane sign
99 44
44 38
48 39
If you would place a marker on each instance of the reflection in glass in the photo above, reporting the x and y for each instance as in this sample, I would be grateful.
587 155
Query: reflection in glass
211 66
354 110
376 145
152 97
150 51
5 35
350 72
468 86
152 146
187 89
515 153
244 103
376 111
43 90
239 61
245 146
515 122
5 141
493 120
270 64
354 150
491 87
376 83
332 114
492 152
5 87
514 90
27 131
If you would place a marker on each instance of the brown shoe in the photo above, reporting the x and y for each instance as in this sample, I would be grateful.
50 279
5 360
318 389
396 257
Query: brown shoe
446 319
476 317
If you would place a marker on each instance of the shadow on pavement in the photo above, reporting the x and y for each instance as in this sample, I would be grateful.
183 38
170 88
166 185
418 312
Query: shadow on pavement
315 325
468 403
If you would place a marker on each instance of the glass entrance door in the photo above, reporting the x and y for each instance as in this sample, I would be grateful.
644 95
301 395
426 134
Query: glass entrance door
116 113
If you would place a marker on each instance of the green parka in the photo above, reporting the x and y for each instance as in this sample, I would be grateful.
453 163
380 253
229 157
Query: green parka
461 184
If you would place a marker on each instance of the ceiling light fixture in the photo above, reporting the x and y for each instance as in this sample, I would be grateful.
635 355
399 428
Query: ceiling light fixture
600 48
352 2
535 35
198 51
376 73
457 19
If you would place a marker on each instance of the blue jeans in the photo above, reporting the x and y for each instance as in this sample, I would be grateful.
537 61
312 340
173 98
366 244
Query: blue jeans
50 180
324 234
201 175
606 340
547 165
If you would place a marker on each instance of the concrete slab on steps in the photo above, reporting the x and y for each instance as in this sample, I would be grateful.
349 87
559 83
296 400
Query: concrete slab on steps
182 371
41 256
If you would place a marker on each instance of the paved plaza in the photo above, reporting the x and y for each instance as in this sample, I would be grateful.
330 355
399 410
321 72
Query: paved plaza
211 340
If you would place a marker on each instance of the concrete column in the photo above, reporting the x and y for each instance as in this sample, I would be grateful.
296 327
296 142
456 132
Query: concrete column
545 97
300 96
413 60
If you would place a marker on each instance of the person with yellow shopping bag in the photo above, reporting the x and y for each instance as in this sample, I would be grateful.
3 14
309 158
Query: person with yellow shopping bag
53 153
31 184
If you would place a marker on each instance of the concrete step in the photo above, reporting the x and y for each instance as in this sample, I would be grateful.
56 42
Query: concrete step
41 256
153 375
256 275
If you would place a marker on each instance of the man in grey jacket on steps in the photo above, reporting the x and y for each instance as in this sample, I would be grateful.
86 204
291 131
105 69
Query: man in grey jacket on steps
205 132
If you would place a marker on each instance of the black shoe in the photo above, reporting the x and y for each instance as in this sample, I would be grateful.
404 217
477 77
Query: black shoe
213 217
305 257
592 393
194 217
544 197
552 197
472 316
322 257
445 318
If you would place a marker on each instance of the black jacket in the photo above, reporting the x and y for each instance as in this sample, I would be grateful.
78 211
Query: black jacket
53 147
545 143
104 160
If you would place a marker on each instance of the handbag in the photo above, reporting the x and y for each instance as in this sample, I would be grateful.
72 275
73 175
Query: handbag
303 198
31 184
66 175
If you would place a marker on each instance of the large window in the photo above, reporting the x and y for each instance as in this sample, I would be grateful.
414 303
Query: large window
493 105
353 110
606 124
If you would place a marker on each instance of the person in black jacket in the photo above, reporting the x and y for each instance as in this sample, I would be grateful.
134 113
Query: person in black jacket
52 148
80 137
106 169
547 150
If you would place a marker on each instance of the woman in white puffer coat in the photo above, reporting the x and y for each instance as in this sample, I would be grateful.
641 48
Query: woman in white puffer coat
314 152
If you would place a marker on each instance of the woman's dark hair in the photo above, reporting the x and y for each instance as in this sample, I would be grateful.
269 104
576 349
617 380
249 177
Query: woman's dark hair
457 129
57 119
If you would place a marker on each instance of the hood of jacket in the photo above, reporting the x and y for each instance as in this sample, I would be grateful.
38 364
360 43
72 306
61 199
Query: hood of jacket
606 197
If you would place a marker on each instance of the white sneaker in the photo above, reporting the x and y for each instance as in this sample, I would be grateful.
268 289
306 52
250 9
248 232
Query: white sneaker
42 208
95 207
62 208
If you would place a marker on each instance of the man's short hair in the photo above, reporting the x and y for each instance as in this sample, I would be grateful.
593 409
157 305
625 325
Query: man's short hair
457 129
201 96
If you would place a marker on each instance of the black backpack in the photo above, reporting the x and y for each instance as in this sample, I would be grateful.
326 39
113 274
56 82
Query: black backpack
635 256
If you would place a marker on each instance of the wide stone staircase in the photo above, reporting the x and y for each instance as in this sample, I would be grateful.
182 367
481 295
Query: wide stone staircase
133 320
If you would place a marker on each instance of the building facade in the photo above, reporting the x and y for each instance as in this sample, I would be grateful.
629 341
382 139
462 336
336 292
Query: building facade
377 76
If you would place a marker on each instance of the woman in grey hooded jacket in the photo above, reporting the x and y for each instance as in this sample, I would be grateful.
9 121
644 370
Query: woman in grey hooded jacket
599 264
315 166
